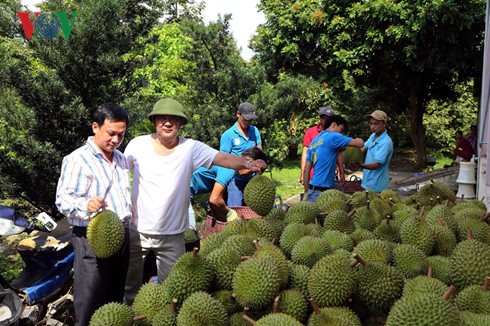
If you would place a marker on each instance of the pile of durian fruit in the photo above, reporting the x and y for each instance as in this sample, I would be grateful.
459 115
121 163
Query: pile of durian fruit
360 259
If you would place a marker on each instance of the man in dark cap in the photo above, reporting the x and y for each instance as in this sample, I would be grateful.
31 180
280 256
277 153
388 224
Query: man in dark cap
162 165
240 137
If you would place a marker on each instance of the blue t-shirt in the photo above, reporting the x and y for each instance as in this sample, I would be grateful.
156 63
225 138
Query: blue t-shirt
380 151
202 180
233 142
323 152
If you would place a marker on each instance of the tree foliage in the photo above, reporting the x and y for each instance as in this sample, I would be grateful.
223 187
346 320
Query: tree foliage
410 51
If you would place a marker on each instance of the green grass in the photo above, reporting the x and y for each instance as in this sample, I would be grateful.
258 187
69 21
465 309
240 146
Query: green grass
287 179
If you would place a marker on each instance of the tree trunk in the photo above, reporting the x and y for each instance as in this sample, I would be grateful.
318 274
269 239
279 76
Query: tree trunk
417 131
293 152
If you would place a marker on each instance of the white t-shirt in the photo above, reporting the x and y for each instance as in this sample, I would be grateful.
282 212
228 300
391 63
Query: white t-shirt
160 192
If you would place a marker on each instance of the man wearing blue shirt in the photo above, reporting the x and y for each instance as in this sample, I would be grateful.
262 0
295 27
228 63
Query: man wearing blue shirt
379 147
322 156
240 137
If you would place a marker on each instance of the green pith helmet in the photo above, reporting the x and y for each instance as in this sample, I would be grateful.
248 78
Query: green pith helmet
168 106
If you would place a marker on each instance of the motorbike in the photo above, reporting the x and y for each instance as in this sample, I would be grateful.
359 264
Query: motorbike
42 294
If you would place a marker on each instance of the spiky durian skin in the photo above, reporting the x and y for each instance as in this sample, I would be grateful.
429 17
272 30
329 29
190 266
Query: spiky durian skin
190 235
309 249
410 260
416 231
360 235
441 266
291 235
428 309
292 302
256 282
259 228
211 242
259 194
468 203
236 319
473 298
379 285
112 314
302 212
470 263
388 230
472 319
164 317
338 240
374 250
334 316
278 319
228 301
233 228
363 218
190 273
225 260
240 243
201 309
332 280
105 234
298 279
277 257
150 298
424 285
340 221
276 213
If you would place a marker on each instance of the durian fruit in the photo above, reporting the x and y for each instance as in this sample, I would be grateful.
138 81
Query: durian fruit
256 282
277 257
166 316
309 249
233 227
467 204
444 239
276 213
201 309
241 243
361 198
438 212
105 234
363 219
378 285
416 231
479 229
276 319
431 194
190 235
334 316
224 260
259 194
236 319
352 155
390 196
211 242
410 260
332 280
338 240
257 228
359 235
277 226
340 220
302 212
112 314
388 230
471 319
332 200
292 302
441 267
150 299
291 234
191 273
470 263
374 250
380 209
298 279
227 299
426 309
464 215
422 285
475 298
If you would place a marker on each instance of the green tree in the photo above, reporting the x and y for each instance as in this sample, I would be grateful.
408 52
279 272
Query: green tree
408 51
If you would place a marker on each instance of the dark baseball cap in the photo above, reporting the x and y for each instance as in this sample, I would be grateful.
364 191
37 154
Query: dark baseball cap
247 111
326 110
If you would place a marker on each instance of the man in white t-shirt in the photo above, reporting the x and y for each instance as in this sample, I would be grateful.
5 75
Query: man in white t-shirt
162 165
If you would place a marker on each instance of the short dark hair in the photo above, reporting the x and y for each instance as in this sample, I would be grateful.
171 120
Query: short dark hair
339 120
459 132
111 112
254 153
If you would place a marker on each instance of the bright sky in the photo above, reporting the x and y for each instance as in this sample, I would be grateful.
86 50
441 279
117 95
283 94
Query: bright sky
245 18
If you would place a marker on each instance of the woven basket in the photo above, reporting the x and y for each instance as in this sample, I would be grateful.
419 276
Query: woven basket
212 225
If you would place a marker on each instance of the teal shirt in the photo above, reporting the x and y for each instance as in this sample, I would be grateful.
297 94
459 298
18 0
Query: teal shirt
380 151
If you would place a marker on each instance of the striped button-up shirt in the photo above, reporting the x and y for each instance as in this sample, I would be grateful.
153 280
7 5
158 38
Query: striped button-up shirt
85 174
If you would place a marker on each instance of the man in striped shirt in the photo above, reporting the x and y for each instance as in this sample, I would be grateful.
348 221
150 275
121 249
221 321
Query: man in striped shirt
96 177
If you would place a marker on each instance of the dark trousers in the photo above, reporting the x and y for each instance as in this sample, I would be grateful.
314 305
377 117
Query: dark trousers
97 281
